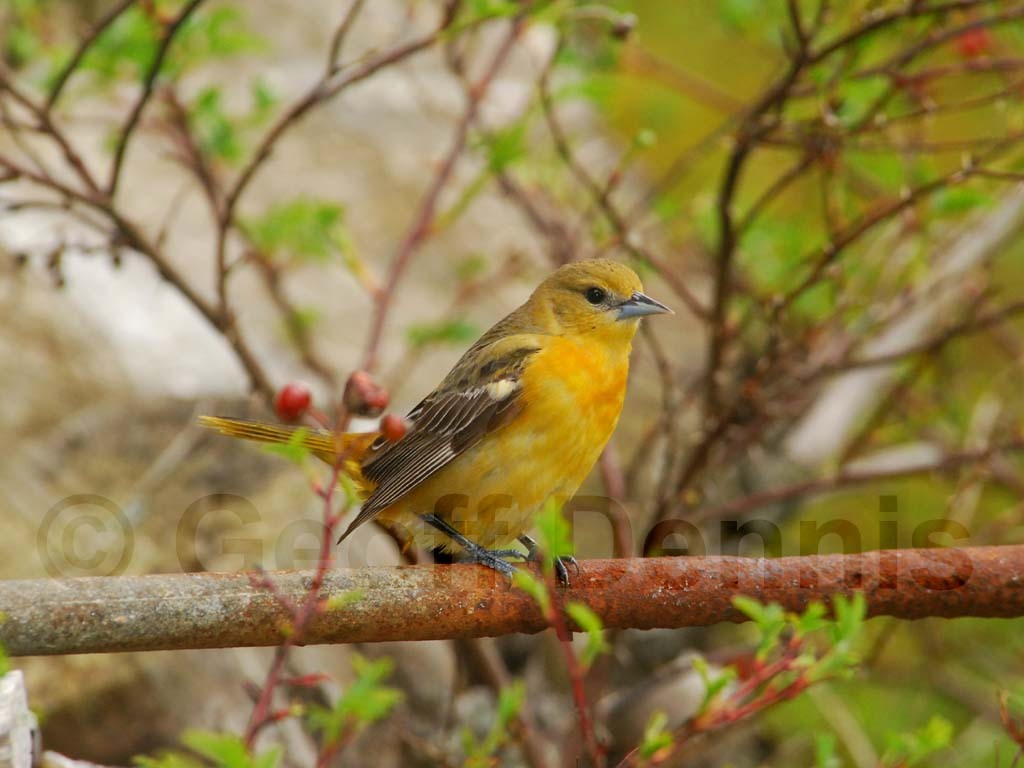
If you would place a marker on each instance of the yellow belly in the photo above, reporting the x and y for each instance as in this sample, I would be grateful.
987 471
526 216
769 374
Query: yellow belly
573 394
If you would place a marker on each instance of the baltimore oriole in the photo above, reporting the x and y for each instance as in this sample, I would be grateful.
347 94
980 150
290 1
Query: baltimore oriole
520 419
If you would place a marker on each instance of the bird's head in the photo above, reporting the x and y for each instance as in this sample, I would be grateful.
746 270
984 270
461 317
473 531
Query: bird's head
595 296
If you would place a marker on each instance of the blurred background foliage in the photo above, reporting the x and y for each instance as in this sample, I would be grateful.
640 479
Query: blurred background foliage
619 145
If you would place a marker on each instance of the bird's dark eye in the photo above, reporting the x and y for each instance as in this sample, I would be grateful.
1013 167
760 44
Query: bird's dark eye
595 295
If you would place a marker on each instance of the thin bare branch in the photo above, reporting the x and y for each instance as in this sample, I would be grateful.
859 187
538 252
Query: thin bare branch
127 129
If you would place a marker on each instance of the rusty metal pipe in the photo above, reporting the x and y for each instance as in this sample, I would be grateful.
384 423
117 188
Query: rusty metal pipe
219 610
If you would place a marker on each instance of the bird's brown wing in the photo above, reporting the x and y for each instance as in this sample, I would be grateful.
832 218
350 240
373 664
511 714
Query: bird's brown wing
478 396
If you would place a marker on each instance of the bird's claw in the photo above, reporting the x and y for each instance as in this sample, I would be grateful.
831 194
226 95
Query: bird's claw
493 559
561 562
514 553
562 571
473 552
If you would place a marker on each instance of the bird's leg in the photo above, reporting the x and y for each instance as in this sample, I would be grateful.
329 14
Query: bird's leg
561 562
492 558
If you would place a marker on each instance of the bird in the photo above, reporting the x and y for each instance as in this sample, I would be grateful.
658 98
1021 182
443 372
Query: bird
520 420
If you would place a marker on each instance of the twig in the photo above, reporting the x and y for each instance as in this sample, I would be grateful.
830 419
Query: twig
304 609
419 229
127 129
852 477
83 47
957 331
341 34
327 87
490 661
600 196
752 128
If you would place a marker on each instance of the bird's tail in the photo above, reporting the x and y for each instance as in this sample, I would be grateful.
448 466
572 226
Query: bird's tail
323 445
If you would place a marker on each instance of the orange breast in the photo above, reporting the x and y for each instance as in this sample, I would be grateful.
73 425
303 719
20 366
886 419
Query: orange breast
580 385
573 393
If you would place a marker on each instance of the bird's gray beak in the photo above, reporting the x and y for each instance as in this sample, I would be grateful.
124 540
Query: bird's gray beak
640 304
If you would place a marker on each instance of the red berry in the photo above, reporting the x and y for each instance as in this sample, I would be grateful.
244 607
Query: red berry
292 401
377 399
974 43
393 427
364 396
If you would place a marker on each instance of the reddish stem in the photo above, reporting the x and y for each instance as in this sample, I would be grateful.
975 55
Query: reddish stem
422 224
556 618
301 615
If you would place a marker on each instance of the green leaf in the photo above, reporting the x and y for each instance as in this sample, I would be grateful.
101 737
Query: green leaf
770 620
294 450
598 88
303 229
166 760
590 623
1015 702
667 208
951 201
344 600
216 134
353 494
492 9
886 169
269 759
751 608
455 331
813 619
124 49
850 616
480 753
471 267
645 138
739 14
363 703
301 320
534 587
825 751
655 738
472 748
221 748
714 683
20 46
909 749
216 33
816 302
227 750
469 193
857 97
844 634
506 146
553 532
510 702
263 102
